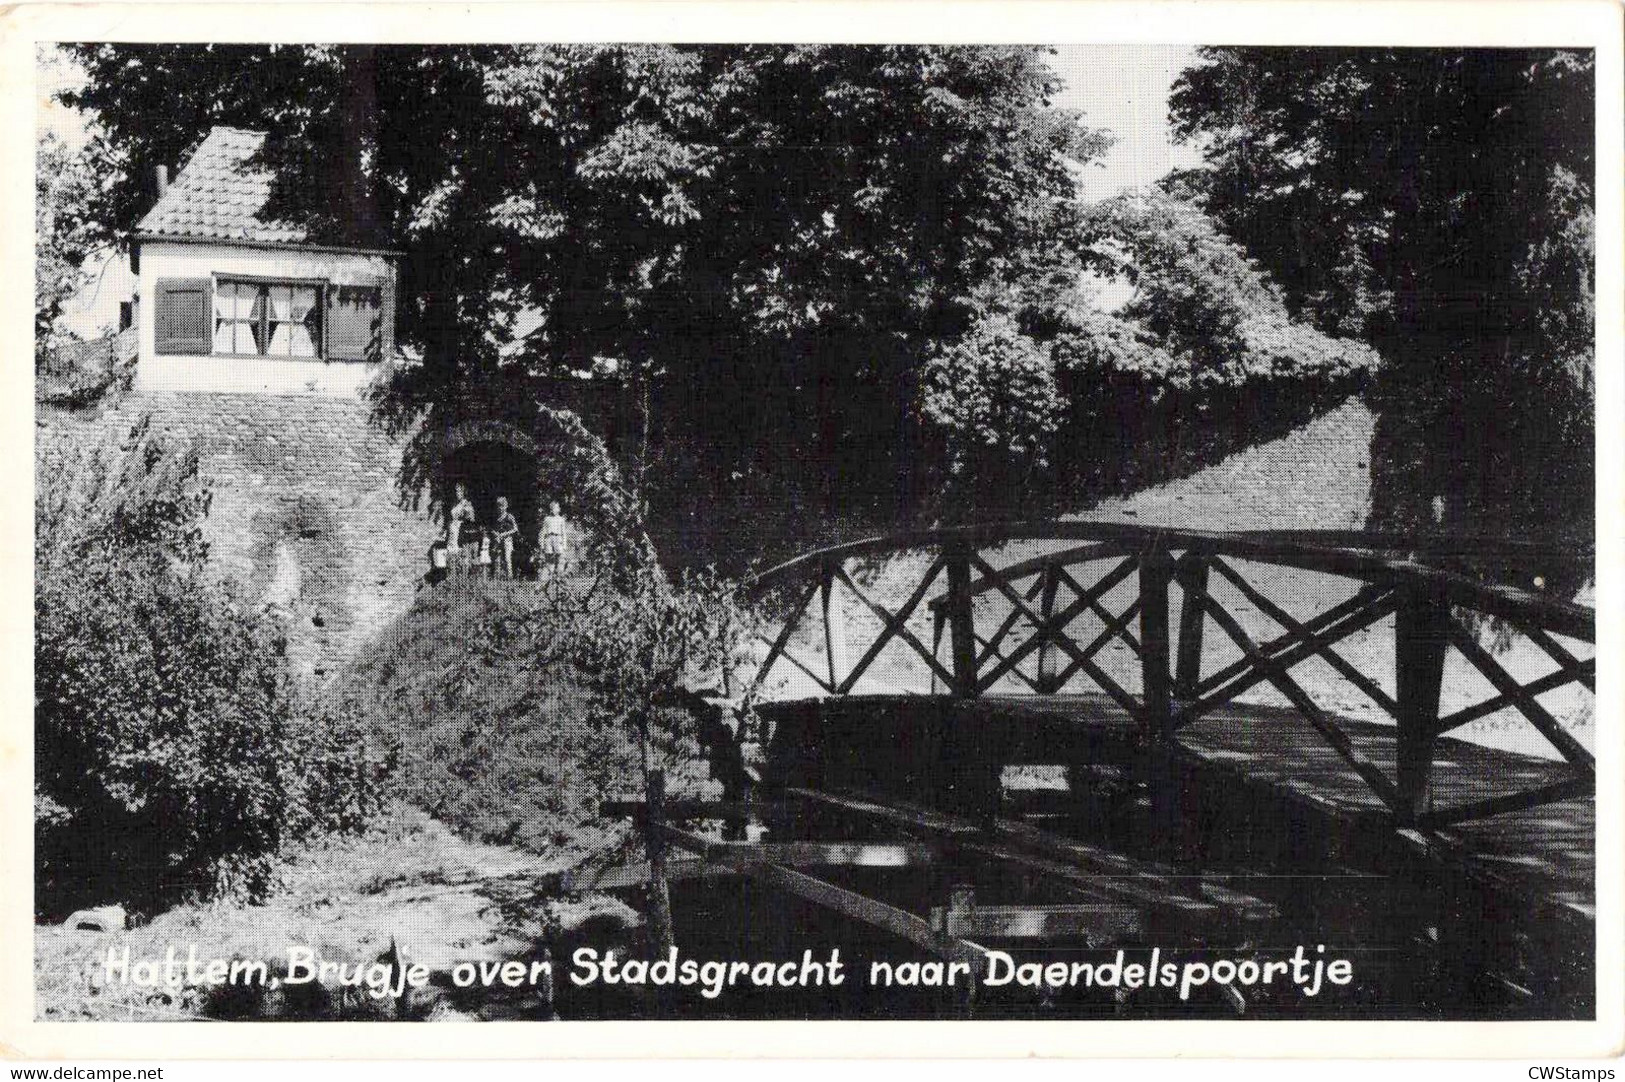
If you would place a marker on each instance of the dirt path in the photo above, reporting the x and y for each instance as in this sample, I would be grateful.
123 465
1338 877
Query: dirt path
410 887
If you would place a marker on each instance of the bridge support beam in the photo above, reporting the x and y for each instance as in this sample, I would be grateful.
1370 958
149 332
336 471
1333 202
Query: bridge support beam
1421 638
1192 577
829 596
1048 654
961 621
1156 682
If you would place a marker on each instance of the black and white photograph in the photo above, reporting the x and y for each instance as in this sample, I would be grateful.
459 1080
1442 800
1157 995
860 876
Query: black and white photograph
708 530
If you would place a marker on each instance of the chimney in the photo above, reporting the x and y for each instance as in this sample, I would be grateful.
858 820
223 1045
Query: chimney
161 176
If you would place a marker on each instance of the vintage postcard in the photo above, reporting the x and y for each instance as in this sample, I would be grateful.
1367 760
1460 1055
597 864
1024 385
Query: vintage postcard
1020 529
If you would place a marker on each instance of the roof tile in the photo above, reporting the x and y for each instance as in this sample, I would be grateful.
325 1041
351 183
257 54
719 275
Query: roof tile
220 196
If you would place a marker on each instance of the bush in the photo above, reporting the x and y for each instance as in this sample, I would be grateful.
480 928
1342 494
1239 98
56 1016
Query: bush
992 397
1201 315
169 758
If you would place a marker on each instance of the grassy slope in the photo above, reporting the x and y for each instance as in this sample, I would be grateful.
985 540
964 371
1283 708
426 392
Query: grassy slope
496 746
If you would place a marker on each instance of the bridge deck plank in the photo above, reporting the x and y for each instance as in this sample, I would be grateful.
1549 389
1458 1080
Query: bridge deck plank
1547 852
1545 855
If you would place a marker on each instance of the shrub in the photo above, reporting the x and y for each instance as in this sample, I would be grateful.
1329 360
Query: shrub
640 651
992 396
169 758
1201 315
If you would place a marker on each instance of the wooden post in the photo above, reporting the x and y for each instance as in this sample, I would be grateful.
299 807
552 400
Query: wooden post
939 616
834 627
961 621
728 767
1192 577
962 899
1421 637
1047 653
1156 722
1156 572
660 923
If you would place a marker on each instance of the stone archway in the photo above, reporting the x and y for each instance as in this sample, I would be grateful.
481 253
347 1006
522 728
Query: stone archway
572 465
491 459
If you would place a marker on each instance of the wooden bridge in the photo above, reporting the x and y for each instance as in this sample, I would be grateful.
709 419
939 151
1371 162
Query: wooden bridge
1078 735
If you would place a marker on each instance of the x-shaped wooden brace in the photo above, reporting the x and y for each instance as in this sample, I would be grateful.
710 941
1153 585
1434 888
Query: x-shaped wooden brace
1275 671
1520 696
1296 628
778 647
894 625
1053 630
1310 638
1570 670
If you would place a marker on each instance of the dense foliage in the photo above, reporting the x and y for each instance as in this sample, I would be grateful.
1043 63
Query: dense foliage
171 758
65 234
1200 313
67 371
779 233
993 395
1043 410
1438 203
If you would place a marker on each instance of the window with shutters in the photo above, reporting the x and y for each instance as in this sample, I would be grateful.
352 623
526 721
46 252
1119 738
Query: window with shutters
245 317
181 315
269 319
355 323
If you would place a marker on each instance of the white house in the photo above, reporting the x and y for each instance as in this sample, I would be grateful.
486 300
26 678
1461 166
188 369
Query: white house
227 301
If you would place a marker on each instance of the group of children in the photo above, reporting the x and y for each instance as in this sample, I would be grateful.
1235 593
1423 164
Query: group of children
471 549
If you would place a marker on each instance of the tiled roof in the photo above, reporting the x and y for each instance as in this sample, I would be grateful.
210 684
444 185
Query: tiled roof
219 196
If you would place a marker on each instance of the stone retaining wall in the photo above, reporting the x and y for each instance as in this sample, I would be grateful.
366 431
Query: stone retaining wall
304 515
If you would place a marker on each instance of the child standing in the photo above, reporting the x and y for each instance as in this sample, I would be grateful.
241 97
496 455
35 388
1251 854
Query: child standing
507 528
461 537
555 543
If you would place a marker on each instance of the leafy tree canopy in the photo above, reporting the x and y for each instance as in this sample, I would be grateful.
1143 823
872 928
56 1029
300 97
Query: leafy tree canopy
1438 202
1201 314
64 188
1442 194
790 224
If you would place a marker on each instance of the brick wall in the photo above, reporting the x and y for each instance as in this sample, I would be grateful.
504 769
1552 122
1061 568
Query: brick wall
1316 476
304 514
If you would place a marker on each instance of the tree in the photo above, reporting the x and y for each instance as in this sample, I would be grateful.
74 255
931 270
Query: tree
1047 408
639 650
1439 203
65 235
992 393
1210 316
171 758
777 234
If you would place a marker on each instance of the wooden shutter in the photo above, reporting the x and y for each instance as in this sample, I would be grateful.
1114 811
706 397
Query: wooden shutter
355 322
183 310
386 339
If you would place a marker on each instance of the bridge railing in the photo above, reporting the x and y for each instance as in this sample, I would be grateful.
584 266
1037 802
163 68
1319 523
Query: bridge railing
1052 616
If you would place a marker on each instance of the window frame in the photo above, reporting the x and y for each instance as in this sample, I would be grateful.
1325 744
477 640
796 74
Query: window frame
263 320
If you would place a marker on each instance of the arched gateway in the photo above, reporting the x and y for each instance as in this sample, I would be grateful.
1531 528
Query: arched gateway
549 455
493 458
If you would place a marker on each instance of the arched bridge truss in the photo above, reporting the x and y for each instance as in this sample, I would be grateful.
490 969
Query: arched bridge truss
1049 624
